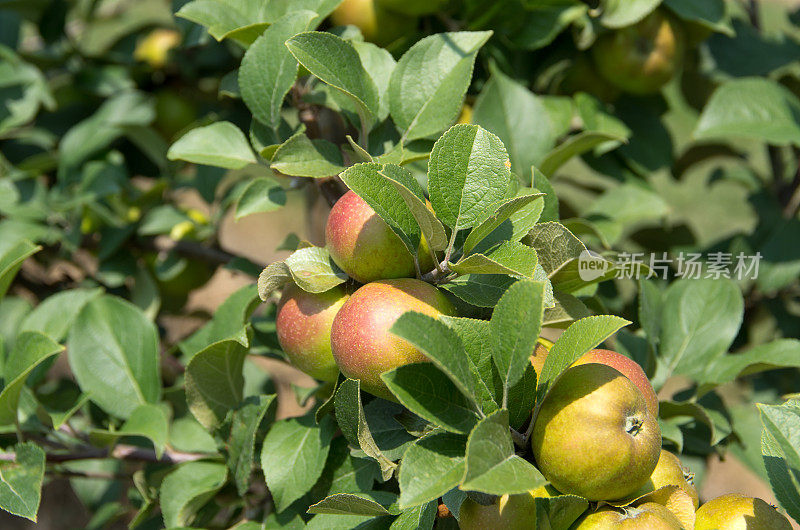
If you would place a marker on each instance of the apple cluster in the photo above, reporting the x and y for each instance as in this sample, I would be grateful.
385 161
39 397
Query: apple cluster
595 434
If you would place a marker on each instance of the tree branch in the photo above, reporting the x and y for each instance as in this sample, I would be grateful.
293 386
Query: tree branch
119 452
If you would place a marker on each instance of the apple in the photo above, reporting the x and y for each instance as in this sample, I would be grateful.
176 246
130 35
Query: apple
507 512
303 325
734 511
670 472
582 76
377 24
594 435
642 58
412 7
174 113
360 339
628 367
154 48
648 516
363 245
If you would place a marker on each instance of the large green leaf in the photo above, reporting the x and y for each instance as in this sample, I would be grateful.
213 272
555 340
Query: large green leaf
263 194
442 345
431 467
314 271
300 156
293 456
580 337
522 204
245 421
335 62
148 421
268 70
220 144
366 503
491 466
55 315
113 353
427 392
11 261
428 85
352 421
519 118
621 13
779 448
468 173
512 343
369 181
21 481
754 108
710 13
700 319
30 350
186 489
214 381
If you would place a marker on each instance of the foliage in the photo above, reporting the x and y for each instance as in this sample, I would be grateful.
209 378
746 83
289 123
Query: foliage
114 111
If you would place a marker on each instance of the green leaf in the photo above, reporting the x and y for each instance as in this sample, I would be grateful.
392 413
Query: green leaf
186 489
511 258
21 481
444 61
491 465
367 503
442 345
580 337
711 14
31 349
369 181
228 322
268 70
114 355
429 225
214 381
353 423
575 146
148 421
700 319
263 194
522 398
481 290
427 392
468 173
245 421
544 21
273 277
753 108
621 13
512 343
781 353
551 207
779 445
518 117
504 211
379 64
431 467
293 456
11 261
220 144
567 309
313 270
560 511
417 518
335 62
300 156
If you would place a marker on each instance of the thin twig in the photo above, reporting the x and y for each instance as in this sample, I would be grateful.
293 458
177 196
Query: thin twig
120 452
